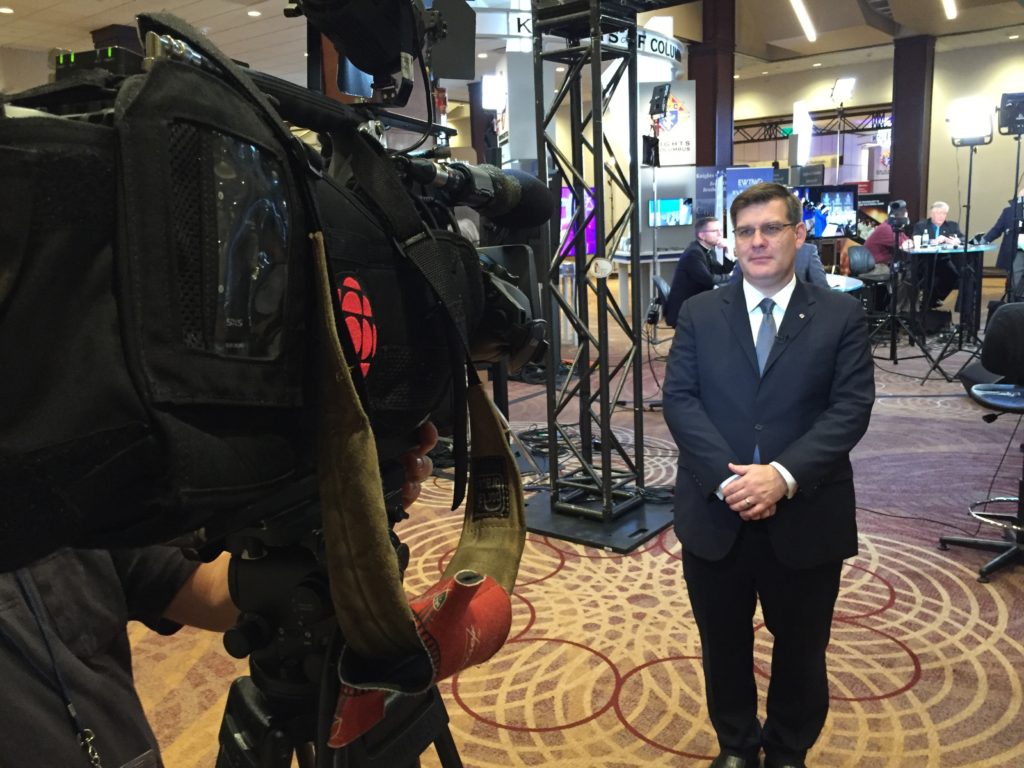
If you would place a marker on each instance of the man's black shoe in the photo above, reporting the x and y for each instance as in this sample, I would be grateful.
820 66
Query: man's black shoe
733 761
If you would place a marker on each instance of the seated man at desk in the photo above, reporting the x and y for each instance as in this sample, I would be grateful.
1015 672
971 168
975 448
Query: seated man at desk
697 269
939 275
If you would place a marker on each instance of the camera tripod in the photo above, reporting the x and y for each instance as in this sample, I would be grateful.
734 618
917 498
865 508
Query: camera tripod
895 320
289 632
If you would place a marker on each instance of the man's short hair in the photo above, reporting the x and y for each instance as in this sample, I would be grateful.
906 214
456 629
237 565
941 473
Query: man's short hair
703 221
765 192
939 204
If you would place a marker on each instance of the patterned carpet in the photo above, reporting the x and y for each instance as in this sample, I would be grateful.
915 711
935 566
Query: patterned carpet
602 667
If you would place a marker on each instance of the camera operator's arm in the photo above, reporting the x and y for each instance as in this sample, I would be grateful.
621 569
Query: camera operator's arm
204 600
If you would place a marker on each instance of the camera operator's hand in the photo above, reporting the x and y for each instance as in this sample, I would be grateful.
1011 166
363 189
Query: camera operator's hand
204 600
418 466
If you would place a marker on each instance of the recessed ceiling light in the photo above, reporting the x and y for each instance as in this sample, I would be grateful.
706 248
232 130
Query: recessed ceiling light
306 54
735 77
559 69
254 14
816 64
765 72
5 9
1014 37
481 55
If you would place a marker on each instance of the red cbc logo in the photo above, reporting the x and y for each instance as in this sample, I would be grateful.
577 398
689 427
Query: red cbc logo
357 314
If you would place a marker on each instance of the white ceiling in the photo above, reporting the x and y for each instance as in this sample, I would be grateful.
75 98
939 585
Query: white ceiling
270 43
768 35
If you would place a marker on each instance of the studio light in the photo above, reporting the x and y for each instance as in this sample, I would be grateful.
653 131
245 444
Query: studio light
970 122
843 89
493 92
1011 114
805 20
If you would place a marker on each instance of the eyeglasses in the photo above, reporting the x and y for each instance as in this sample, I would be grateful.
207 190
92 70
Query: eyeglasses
769 231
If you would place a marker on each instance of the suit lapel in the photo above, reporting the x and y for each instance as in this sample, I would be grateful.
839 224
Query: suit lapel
734 308
798 316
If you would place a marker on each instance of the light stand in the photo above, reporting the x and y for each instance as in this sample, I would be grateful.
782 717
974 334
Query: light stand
652 157
970 125
842 91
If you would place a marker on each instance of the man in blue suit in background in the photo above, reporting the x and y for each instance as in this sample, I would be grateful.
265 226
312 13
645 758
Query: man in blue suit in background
768 388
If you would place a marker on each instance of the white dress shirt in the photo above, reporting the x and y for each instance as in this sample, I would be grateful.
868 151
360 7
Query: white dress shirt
753 298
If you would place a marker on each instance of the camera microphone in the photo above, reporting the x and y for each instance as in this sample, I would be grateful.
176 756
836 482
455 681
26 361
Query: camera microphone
512 198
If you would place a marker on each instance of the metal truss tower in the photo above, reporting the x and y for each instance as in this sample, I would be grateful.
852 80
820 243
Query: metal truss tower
596 496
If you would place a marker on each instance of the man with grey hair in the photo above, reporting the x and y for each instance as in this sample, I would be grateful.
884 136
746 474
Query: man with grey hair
939 275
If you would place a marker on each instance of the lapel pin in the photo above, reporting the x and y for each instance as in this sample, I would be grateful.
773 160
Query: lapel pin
802 315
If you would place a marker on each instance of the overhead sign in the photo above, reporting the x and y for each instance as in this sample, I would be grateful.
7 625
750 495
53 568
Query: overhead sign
521 25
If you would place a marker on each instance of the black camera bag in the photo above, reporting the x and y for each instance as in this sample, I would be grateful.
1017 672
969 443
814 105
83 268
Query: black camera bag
154 303
153 342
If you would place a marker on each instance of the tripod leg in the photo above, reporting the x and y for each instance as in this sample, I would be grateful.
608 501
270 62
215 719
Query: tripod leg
249 736
410 726
446 750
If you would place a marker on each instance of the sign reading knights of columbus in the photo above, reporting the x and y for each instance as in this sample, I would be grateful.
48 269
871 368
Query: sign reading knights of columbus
651 43
676 128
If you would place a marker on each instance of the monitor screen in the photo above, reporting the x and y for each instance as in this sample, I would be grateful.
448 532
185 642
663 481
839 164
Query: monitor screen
670 212
872 210
568 207
829 211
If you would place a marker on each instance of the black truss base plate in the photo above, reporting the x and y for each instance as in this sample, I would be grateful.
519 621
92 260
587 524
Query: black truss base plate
623 534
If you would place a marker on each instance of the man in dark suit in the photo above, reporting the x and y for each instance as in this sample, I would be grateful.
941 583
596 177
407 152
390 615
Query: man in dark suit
697 269
764 497
939 275
1011 250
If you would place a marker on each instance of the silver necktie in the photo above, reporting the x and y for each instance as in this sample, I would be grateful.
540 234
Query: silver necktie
765 334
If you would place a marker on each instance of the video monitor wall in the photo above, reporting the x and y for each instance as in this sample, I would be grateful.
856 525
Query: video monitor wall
670 212
567 208
828 211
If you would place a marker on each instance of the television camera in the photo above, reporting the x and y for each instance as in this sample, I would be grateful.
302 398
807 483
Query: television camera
899 217
246 333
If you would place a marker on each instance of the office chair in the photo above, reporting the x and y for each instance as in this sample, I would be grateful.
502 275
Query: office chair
656 311
655 314
862 262
1003 353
